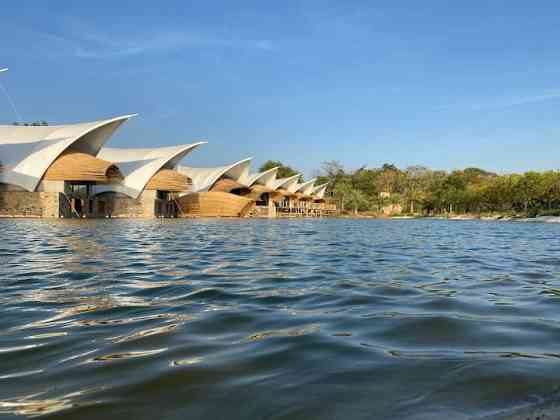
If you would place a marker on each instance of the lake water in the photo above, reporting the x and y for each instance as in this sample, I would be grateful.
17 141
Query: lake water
295 319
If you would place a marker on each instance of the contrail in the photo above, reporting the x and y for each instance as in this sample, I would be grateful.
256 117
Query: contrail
10 100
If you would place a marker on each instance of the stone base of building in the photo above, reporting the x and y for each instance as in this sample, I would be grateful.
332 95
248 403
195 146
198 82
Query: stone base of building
147 205
25 204
34 204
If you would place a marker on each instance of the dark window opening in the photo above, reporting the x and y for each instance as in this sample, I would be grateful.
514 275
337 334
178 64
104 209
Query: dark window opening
263 200
162 195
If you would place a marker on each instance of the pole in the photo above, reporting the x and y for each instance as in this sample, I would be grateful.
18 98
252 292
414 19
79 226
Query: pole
10 100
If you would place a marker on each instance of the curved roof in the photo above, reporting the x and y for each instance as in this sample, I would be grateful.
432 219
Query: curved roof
26 152
306 188
287 183
168 180
139 165
266 178
75 166
319 190
204 178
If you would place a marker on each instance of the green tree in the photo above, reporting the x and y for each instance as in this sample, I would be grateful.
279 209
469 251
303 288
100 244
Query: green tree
283 171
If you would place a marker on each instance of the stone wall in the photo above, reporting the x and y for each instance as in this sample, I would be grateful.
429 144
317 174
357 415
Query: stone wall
30 204
55 204
147 205
120 205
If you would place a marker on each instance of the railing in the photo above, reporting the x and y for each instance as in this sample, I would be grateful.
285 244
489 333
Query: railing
67 208
315 211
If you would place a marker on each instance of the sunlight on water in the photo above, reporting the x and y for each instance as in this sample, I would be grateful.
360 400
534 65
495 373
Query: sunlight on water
296 319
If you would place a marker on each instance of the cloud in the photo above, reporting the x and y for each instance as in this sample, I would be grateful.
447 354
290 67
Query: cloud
79 40
101 46
518 101
509 102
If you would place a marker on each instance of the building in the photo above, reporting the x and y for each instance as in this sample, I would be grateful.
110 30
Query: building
217 192
301 198
320 205
51 171
66 171
150 183
262 186
283 191
296 196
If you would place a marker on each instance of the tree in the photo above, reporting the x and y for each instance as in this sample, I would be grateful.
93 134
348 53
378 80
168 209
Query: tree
420 189
32 124
284 171
357 200
350 196
333 171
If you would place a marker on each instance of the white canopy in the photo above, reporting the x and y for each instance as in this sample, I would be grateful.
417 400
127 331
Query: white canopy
319 190
26 152
266 178
288 183
139 165
204 178
306 188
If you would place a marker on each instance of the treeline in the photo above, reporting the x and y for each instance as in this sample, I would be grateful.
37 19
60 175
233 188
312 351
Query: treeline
418 189
32 124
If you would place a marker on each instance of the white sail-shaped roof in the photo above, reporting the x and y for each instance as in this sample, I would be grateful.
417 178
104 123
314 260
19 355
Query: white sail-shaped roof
26 152
306 188
139 165
204 178
266 178
287 183
319 190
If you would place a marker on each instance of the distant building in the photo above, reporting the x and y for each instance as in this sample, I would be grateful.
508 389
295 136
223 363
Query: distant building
216 192
66 171
51 171
150 185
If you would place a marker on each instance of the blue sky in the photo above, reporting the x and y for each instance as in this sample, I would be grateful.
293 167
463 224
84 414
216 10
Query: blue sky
437 83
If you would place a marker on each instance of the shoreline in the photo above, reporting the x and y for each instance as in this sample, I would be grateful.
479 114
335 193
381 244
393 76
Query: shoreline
462 217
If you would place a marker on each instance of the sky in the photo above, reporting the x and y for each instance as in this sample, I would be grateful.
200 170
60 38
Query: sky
436 83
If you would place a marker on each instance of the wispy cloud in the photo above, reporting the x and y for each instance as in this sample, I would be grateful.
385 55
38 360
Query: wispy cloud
518 101
102 46
79 40
506 102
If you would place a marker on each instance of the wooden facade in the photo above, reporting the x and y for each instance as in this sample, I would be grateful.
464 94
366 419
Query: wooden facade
213 204
169 180
81 167
299 205
258 191
279 195
230 186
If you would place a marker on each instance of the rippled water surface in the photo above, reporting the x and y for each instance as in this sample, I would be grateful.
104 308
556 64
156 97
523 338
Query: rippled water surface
298 319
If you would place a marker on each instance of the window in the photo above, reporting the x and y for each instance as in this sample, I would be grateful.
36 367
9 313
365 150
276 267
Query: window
263 200
163 195
80 189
